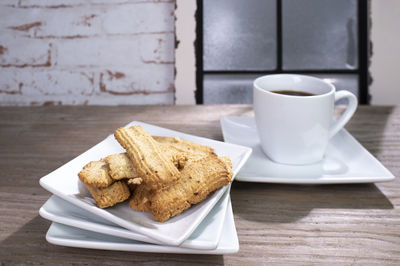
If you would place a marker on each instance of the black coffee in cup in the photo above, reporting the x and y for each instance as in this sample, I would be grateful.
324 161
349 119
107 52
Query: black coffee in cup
294 93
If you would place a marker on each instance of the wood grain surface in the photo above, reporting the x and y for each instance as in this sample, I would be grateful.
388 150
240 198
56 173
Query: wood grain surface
276 224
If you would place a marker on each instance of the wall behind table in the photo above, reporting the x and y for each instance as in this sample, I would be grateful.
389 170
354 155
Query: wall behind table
385 88
77 52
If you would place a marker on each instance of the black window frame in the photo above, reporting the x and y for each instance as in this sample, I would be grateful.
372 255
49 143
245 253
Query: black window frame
363 54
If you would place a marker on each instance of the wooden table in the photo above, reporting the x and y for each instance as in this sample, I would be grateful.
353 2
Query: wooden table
276 223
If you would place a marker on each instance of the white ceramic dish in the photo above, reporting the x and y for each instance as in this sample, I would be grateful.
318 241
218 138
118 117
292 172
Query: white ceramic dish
65 183
64 235
206 235
346 160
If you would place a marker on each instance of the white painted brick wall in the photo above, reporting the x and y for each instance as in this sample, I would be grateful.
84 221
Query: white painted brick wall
98 52
86 52
18 53
130 18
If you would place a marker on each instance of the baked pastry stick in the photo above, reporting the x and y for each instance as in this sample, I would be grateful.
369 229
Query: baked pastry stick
176 150
153 166
175 155
184 145
198 179
188 150
105 191
109 196
121 167
141 199
95 174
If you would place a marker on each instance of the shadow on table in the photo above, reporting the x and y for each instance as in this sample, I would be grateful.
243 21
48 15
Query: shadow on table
28 245
276 203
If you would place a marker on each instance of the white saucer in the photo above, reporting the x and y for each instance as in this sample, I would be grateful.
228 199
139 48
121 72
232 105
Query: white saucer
346 161
64 235
64 182
206 235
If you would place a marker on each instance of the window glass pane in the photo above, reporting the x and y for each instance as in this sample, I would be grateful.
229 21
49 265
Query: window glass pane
319 34
228 88
239 34
238 88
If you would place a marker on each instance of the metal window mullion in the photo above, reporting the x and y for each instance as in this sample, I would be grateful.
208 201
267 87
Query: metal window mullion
363 51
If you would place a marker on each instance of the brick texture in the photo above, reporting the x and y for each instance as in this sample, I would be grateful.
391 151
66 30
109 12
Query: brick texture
76 52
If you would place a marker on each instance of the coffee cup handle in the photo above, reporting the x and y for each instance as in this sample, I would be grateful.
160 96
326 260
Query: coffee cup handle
348 113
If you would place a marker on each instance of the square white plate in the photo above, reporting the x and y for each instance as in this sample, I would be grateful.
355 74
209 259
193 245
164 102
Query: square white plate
64 182
206 235
64 235
346 160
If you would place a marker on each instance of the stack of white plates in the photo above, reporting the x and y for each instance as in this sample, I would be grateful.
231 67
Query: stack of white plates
205 228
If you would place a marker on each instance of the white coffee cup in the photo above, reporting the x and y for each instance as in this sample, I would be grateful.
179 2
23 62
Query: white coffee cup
296 129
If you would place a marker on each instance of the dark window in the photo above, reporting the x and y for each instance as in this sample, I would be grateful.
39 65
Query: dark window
241 40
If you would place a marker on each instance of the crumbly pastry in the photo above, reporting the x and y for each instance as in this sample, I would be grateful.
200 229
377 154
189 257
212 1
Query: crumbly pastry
164 175
121 167
198 179
96 174
153 166
140 200
133 183
180 152
227 161
183 150
177 156
109 196
176 150
184 145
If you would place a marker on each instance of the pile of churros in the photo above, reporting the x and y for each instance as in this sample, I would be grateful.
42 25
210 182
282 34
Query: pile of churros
160 175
